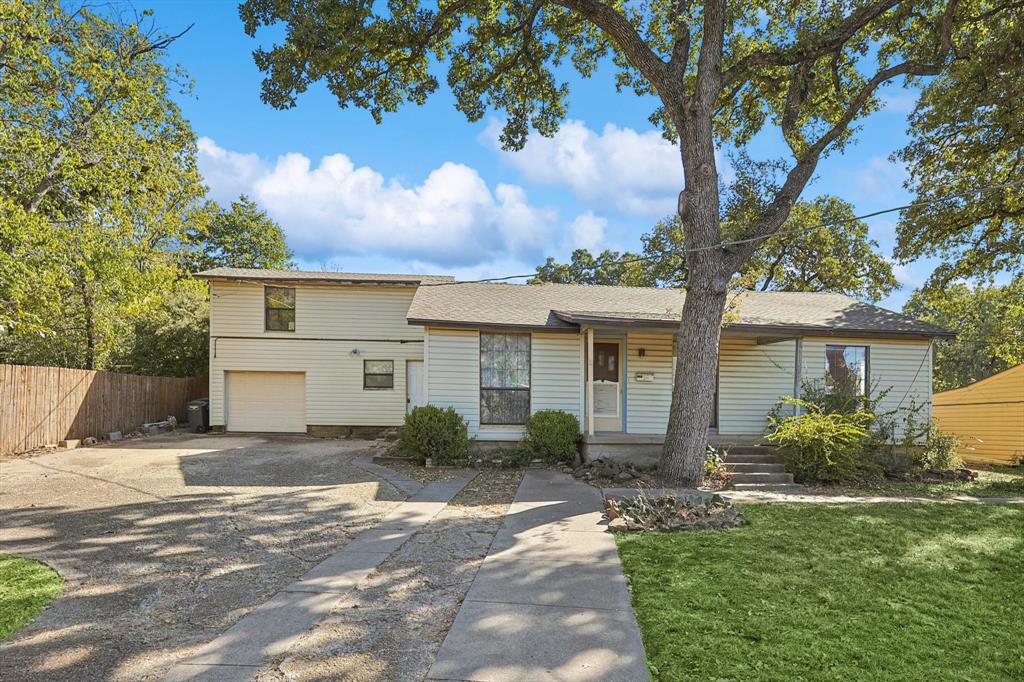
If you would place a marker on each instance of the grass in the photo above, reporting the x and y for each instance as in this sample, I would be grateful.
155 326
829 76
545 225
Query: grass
894 591
27 587
992 481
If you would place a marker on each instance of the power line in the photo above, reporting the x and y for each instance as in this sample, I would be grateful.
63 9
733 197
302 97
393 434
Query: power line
735 242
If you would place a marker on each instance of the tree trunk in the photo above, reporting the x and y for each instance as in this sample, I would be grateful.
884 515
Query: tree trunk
90 325
682 459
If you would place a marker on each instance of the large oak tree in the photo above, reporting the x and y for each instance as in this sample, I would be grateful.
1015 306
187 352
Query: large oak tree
719 70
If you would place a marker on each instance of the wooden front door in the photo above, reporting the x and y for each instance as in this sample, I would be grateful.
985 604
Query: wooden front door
608 403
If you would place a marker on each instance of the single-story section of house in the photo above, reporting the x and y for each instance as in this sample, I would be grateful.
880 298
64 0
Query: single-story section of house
987 416
328 352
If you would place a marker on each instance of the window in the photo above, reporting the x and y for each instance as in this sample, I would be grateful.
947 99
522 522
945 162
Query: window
279 309
378 373
846 369
504 378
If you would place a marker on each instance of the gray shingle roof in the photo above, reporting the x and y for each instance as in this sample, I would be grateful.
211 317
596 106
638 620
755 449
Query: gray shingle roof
315 277
565 306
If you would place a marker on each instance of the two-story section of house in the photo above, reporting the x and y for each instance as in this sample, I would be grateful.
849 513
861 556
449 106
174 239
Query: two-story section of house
292 352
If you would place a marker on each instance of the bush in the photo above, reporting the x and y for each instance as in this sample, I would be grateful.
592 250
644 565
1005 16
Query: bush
552 435
940 451
824 447
441 435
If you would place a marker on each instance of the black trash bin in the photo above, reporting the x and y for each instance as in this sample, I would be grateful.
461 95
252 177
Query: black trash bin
198 415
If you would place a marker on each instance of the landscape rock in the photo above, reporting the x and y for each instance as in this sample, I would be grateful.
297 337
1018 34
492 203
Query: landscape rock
88 440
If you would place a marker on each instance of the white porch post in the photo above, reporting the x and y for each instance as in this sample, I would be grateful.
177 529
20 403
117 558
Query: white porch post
798 371
590 381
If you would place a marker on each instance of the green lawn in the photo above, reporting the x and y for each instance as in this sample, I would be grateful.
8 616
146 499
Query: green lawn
992 481
26 588
813 592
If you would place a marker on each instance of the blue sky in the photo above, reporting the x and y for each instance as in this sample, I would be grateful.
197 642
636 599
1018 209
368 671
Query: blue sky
427 191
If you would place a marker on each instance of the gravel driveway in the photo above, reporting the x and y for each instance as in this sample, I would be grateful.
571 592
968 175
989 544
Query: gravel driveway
167 541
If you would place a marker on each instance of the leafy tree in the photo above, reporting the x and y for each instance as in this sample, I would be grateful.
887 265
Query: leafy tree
169 337
242 237
967 132
720 71
608 267
99 178
820 248
989 325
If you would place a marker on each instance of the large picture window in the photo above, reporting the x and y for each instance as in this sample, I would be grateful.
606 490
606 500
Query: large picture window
846 369
279 309
504 378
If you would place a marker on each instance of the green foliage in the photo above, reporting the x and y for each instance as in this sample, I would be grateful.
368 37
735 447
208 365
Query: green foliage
823 447
99 181
552 435
431 432
608 268
242 237
27 587
814 252
940 451
714 461
169 337
967 132
989 323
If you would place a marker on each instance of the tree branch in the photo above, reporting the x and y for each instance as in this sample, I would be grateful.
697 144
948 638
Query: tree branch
709 64
812 48
622 33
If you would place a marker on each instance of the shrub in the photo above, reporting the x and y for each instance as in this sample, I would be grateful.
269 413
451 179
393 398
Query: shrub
824 447
552 435
440 434
940 451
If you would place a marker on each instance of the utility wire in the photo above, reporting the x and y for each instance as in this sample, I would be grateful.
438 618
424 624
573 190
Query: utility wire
735 242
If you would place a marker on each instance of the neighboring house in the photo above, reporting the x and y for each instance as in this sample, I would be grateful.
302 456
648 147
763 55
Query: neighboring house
321 352
987 416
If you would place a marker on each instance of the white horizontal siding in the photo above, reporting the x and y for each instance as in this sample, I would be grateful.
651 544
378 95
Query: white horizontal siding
648 403
752 378
903 367
453 377
556 373
320 311
326 317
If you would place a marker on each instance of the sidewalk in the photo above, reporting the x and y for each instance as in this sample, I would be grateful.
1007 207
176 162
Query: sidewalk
550 602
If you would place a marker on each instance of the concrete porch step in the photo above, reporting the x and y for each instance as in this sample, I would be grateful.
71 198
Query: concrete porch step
771 467
768 488
749 449
766 458
741 478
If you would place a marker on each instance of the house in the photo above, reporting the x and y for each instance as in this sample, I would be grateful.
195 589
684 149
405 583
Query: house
325 353
987 416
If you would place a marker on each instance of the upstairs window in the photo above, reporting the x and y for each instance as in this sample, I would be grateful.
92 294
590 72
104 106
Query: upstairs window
378 373
504 378
846 370
279 309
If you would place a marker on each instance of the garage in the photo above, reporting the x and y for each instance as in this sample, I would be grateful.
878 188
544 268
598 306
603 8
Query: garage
266 401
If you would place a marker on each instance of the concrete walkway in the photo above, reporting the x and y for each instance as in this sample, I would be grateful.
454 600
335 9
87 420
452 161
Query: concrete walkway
550 601
273 627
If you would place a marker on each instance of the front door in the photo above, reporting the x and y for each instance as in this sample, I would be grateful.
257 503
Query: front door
607 385
415 387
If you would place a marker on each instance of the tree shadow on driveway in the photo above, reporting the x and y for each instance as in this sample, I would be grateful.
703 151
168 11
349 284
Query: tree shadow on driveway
166 545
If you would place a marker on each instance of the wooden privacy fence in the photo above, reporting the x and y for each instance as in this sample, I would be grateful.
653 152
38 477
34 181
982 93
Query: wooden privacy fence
44 405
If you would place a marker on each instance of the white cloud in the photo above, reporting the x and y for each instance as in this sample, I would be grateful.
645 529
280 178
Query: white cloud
879 179
899 100
451 218
635 173
587 232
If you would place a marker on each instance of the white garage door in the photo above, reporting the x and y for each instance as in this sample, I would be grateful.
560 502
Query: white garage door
266 401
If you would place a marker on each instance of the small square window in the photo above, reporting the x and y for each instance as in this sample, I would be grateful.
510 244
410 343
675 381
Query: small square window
378 373
846 370
279 309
